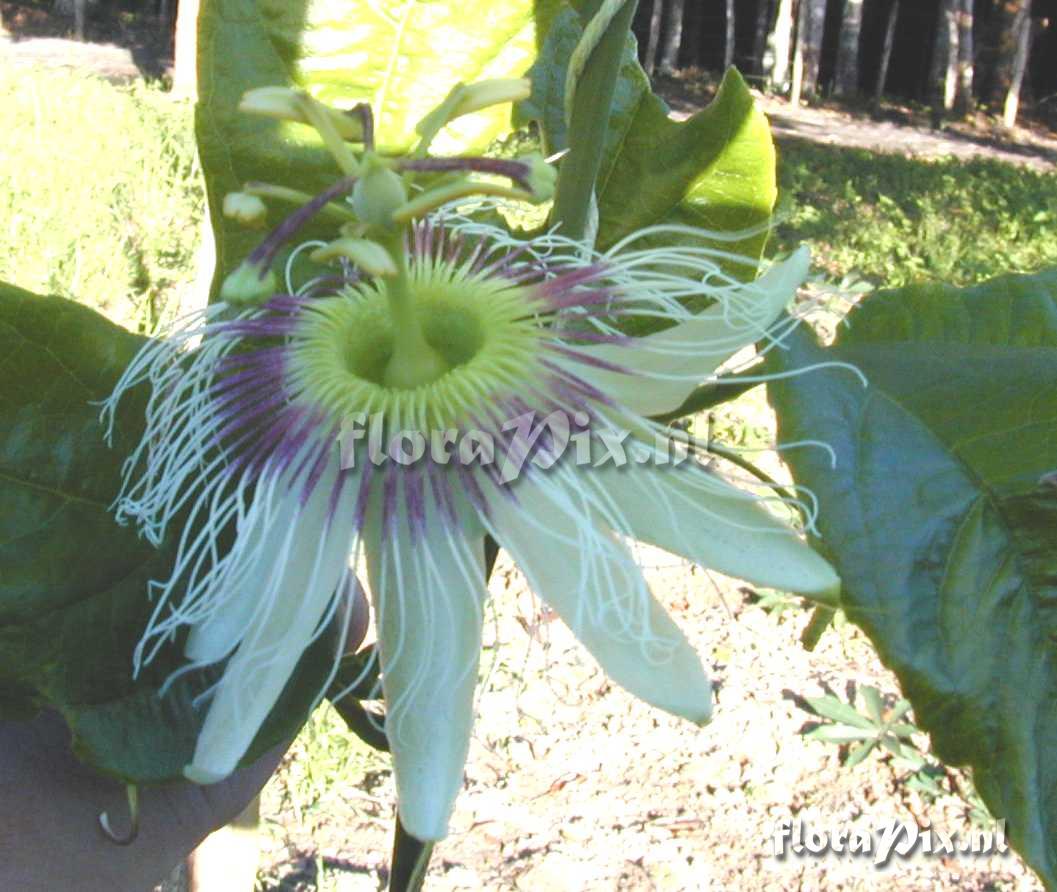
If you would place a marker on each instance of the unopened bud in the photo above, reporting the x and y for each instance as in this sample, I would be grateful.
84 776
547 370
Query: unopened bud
541 178
377 194
498 91
246 209
369 256
289 105
465 99
248 284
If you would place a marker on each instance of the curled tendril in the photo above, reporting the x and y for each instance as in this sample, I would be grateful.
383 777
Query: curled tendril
132 793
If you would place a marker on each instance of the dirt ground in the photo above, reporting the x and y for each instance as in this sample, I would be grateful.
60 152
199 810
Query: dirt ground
118 49
895 127
573 785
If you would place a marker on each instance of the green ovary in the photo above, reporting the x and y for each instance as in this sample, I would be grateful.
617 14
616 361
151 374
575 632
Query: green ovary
483 331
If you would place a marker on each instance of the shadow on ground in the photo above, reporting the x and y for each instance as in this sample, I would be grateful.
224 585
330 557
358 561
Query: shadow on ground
118 46
308 870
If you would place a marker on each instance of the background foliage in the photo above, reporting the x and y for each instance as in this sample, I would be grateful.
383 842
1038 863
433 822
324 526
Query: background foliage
100 195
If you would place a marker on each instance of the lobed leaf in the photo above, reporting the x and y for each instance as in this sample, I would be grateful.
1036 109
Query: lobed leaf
714 171
941 517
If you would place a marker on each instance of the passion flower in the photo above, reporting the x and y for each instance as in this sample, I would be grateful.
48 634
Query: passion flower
248 440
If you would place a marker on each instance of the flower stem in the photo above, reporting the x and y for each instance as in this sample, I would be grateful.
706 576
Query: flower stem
592 106
713 448
413 362
410 861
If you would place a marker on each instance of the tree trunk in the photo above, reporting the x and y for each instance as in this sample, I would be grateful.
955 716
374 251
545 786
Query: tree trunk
779 44
729 43
764 9
78 17
886 54
797 87
812 43
185 56
1011 14
1020 64
944 68
690 42
673 36
654 38
847 82
963 97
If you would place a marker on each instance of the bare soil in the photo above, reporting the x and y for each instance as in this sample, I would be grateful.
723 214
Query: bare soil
117 48
894 127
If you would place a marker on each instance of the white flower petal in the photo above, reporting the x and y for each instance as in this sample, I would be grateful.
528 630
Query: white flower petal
693 513
667 365
295 584
215 637
593 583
429 597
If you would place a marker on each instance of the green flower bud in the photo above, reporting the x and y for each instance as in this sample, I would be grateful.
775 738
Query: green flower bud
464 99
369 256
246 209
377 194
541 178
290 105
248 284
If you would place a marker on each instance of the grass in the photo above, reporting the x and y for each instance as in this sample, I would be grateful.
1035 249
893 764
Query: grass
891 220
100 195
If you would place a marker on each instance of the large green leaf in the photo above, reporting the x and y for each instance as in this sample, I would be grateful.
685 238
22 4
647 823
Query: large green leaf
59 547
73 584
715 170
401 56
941 516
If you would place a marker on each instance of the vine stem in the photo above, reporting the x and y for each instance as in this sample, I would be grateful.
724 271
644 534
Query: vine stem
732 456
409 862
591 110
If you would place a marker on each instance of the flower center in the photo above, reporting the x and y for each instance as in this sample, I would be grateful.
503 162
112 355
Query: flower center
479 343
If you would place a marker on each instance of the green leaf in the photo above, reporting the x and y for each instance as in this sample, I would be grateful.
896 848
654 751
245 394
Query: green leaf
141 737
829 707
73 590
840 733
941 518
401 56
896 747
856 755
901 708
902 730
62 555
714 171
871 698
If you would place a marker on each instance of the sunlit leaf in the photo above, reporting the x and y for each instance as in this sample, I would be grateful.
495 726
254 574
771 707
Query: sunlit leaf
401 56
714 171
